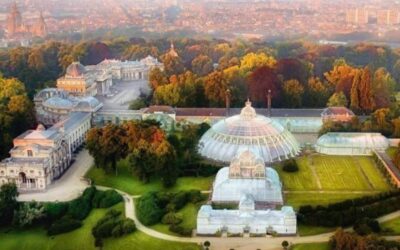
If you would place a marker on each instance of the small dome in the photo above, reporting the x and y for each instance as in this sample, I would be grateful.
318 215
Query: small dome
40 127
88 102
58 103
76 69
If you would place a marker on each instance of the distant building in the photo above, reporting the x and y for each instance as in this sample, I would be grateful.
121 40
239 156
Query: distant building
388 17
172 52
97 79
357 16
17 28
53 105
337 114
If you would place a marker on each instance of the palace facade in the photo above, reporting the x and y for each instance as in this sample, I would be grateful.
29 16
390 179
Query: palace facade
98 79
42 155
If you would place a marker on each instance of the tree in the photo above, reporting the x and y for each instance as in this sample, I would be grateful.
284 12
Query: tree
157 78
172 65
367 103
260 81
8 203
341 77
337 100
383 86
215 88
107 145
202 65
28 213
207 244
316 93
285 244
292 94
252 61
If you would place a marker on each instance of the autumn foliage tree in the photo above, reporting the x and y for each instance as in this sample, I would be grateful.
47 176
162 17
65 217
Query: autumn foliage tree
260 81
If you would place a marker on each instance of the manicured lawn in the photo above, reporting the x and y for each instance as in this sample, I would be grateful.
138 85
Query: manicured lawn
301 180
189 216
393 226
311 246
391 152
347 173
125 181
310 230
298 199
81 238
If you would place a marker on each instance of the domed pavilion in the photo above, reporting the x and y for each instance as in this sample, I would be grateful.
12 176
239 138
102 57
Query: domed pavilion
248 131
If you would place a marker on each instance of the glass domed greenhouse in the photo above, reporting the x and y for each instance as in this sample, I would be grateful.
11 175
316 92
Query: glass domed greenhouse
248 131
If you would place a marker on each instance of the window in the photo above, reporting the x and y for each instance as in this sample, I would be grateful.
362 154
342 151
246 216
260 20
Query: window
30 153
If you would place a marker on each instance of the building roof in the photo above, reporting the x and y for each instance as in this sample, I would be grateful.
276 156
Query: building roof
353 140
74 119
337 111
260 134
75 69
57 102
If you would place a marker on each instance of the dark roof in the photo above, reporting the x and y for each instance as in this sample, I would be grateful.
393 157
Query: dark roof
236 111
159 108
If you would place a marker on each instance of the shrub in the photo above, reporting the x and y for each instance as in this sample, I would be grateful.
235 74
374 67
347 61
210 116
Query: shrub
366 226
128 226
112 225
79 208
171 218
64 225
290 166
195 196
180 230
180 199
148 211
55 211
110 198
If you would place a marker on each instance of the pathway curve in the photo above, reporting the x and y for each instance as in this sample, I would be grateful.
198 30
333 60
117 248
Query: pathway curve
219 243
73 180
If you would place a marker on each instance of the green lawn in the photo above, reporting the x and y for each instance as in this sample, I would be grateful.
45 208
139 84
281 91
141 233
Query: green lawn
392 226
311 246
305 230
298 199
36 238
301 180
391 152
189 216
335 173
125 181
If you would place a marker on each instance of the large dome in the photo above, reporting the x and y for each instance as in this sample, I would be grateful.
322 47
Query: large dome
76 69
250 131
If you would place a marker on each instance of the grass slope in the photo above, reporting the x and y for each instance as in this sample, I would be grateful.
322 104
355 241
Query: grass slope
36 238
311 246
189 216
125 181
392 226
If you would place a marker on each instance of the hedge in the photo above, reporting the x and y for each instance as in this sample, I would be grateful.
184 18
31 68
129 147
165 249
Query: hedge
63 225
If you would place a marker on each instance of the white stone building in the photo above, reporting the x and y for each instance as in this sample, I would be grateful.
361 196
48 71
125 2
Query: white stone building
246 220
247 174
41 156
53 105
257 189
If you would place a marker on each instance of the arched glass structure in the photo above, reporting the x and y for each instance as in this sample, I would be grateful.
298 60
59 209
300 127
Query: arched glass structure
351 143
248 131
